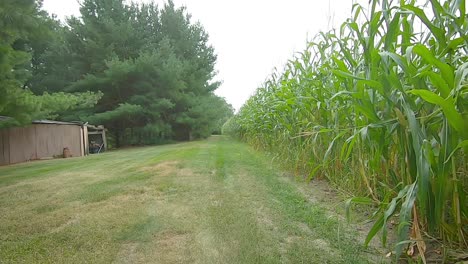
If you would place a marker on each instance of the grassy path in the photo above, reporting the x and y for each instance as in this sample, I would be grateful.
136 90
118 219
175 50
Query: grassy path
212 201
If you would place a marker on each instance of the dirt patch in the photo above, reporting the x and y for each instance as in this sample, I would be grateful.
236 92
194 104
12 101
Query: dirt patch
165 168
318 191
184 172
172 240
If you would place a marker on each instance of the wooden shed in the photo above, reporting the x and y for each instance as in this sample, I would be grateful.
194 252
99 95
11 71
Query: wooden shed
45 139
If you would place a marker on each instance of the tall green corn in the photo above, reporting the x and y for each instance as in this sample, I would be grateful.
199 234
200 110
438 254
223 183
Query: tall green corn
378 108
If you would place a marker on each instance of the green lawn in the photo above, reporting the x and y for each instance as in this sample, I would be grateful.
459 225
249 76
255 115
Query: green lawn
212 201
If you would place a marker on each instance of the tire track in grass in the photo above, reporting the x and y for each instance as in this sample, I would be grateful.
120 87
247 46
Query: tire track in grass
231 225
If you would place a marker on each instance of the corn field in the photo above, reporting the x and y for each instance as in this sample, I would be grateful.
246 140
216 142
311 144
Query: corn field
378 107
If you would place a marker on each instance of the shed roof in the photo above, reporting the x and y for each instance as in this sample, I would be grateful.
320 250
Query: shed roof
77 123
5 118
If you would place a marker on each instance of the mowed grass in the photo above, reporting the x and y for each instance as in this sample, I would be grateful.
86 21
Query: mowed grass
212 201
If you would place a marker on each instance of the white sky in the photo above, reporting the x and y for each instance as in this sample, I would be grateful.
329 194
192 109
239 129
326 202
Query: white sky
250 37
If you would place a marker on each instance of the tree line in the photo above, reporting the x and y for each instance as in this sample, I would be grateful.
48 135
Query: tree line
145 72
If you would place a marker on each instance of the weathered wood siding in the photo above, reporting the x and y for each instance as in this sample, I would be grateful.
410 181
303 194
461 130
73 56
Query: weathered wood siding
22 144
39 141
52 139
4 147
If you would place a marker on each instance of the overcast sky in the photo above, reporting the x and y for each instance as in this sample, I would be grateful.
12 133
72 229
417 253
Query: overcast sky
250 37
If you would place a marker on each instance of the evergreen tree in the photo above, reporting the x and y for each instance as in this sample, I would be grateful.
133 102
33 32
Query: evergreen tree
23 27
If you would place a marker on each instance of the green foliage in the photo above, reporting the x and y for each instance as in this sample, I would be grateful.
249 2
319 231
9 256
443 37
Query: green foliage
52 104
380 110
231 127
16 19
208 115
23 32
153 66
